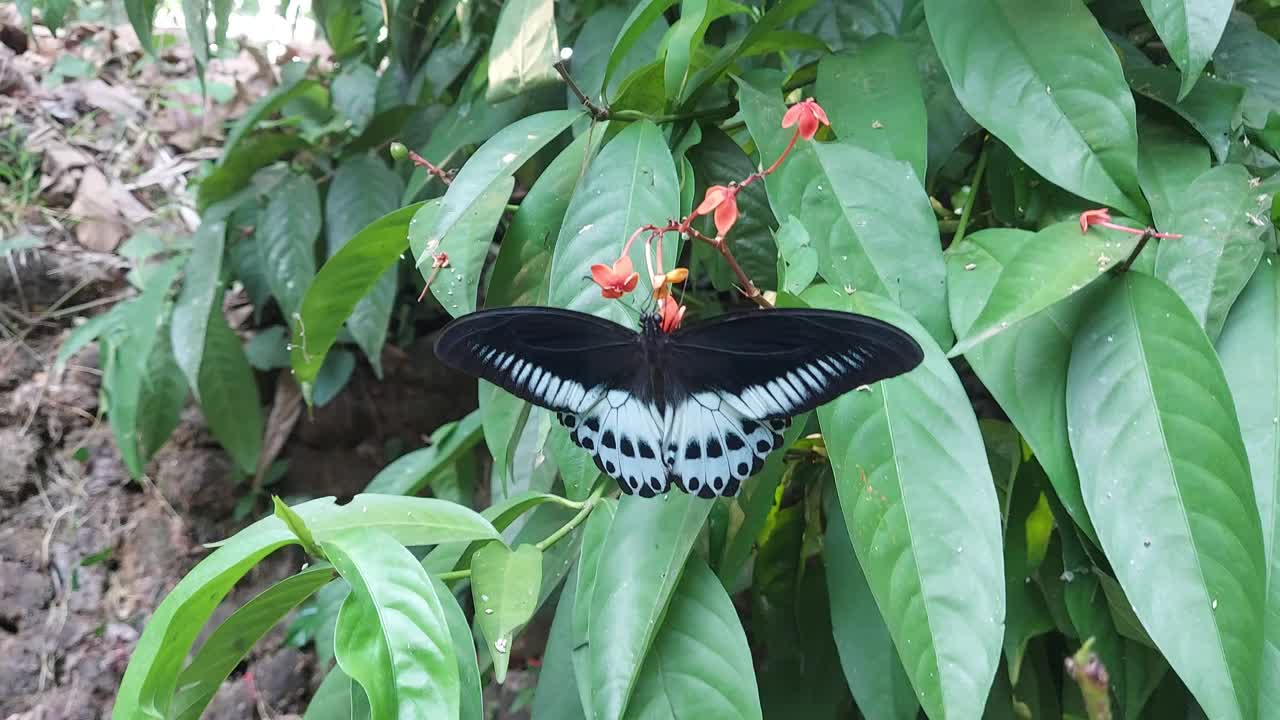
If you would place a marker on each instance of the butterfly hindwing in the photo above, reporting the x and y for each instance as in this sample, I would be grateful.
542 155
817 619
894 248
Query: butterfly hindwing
623 435
710 448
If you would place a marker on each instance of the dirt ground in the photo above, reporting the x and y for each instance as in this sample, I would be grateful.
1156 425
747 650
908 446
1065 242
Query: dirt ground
86 553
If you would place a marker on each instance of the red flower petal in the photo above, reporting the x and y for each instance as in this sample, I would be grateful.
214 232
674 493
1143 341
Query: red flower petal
726 215
1093 217
793 115
712 199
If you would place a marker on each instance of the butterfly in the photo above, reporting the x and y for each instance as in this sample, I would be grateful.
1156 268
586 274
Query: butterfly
700 407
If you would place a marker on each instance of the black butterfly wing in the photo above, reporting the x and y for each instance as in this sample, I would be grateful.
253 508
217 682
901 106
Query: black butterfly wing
590 371
732 384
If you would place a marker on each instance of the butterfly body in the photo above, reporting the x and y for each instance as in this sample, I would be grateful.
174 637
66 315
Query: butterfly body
701 407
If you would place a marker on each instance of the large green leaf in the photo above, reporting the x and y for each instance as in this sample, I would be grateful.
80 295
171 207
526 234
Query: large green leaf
1075 122
504 588
700 663
923 517
1168 161
364 189
1246 56
1250 354
473 201
1054 265
1190 30
464 649
1027 613
1024 367
868 216
685 38
636 26
354 95
286 240
595 41
631 181
593 543
556 697
1220 219
201 289
874 100
393 637
142 16
871 664
1147 399
524 49
229 394
640 564
162 393
129 351
344 280
1213 107
232 640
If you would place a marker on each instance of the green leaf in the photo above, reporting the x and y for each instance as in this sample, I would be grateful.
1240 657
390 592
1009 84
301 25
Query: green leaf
868 216
1190 31
195 16
162 394
334 375
940 587
700 663
1213 108
524 49
237 166
1054 265
1250 356
630 182
344 280
338 698
296 525
594 536
232 640
687 36
871 664
1168 161
556 696
201 291
646 549
636 26
1146 398
129 350
1220 217
415 470
354 96
455 285
504 588
464 649
142 16
797 260
410 520
1075 122
364 190
472 201
290 226
1245 56
229 394
874 100
1024 367
595 41
393 637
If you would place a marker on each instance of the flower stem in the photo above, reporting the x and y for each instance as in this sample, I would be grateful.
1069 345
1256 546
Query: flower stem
422 162
455 575
974 189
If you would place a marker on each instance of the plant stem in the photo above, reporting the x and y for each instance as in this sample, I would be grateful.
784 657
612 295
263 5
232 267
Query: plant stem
1091 675
587 506
597 112
455 575
1137 250
717 113
974 186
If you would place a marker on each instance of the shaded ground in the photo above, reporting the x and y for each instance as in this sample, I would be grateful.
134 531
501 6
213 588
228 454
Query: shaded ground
85 552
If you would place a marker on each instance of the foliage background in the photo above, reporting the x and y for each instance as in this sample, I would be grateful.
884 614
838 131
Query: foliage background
1087 453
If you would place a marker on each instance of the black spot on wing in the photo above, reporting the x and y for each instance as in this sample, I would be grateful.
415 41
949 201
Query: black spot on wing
628 449
713 448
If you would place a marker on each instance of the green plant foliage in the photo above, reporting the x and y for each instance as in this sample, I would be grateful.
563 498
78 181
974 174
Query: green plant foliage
1087 453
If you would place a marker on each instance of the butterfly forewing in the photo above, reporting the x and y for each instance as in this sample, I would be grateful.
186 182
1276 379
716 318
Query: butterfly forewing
727 387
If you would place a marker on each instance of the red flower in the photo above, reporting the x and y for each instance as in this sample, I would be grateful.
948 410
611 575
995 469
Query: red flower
672 314
615 281
724 200
1093 217
808 114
